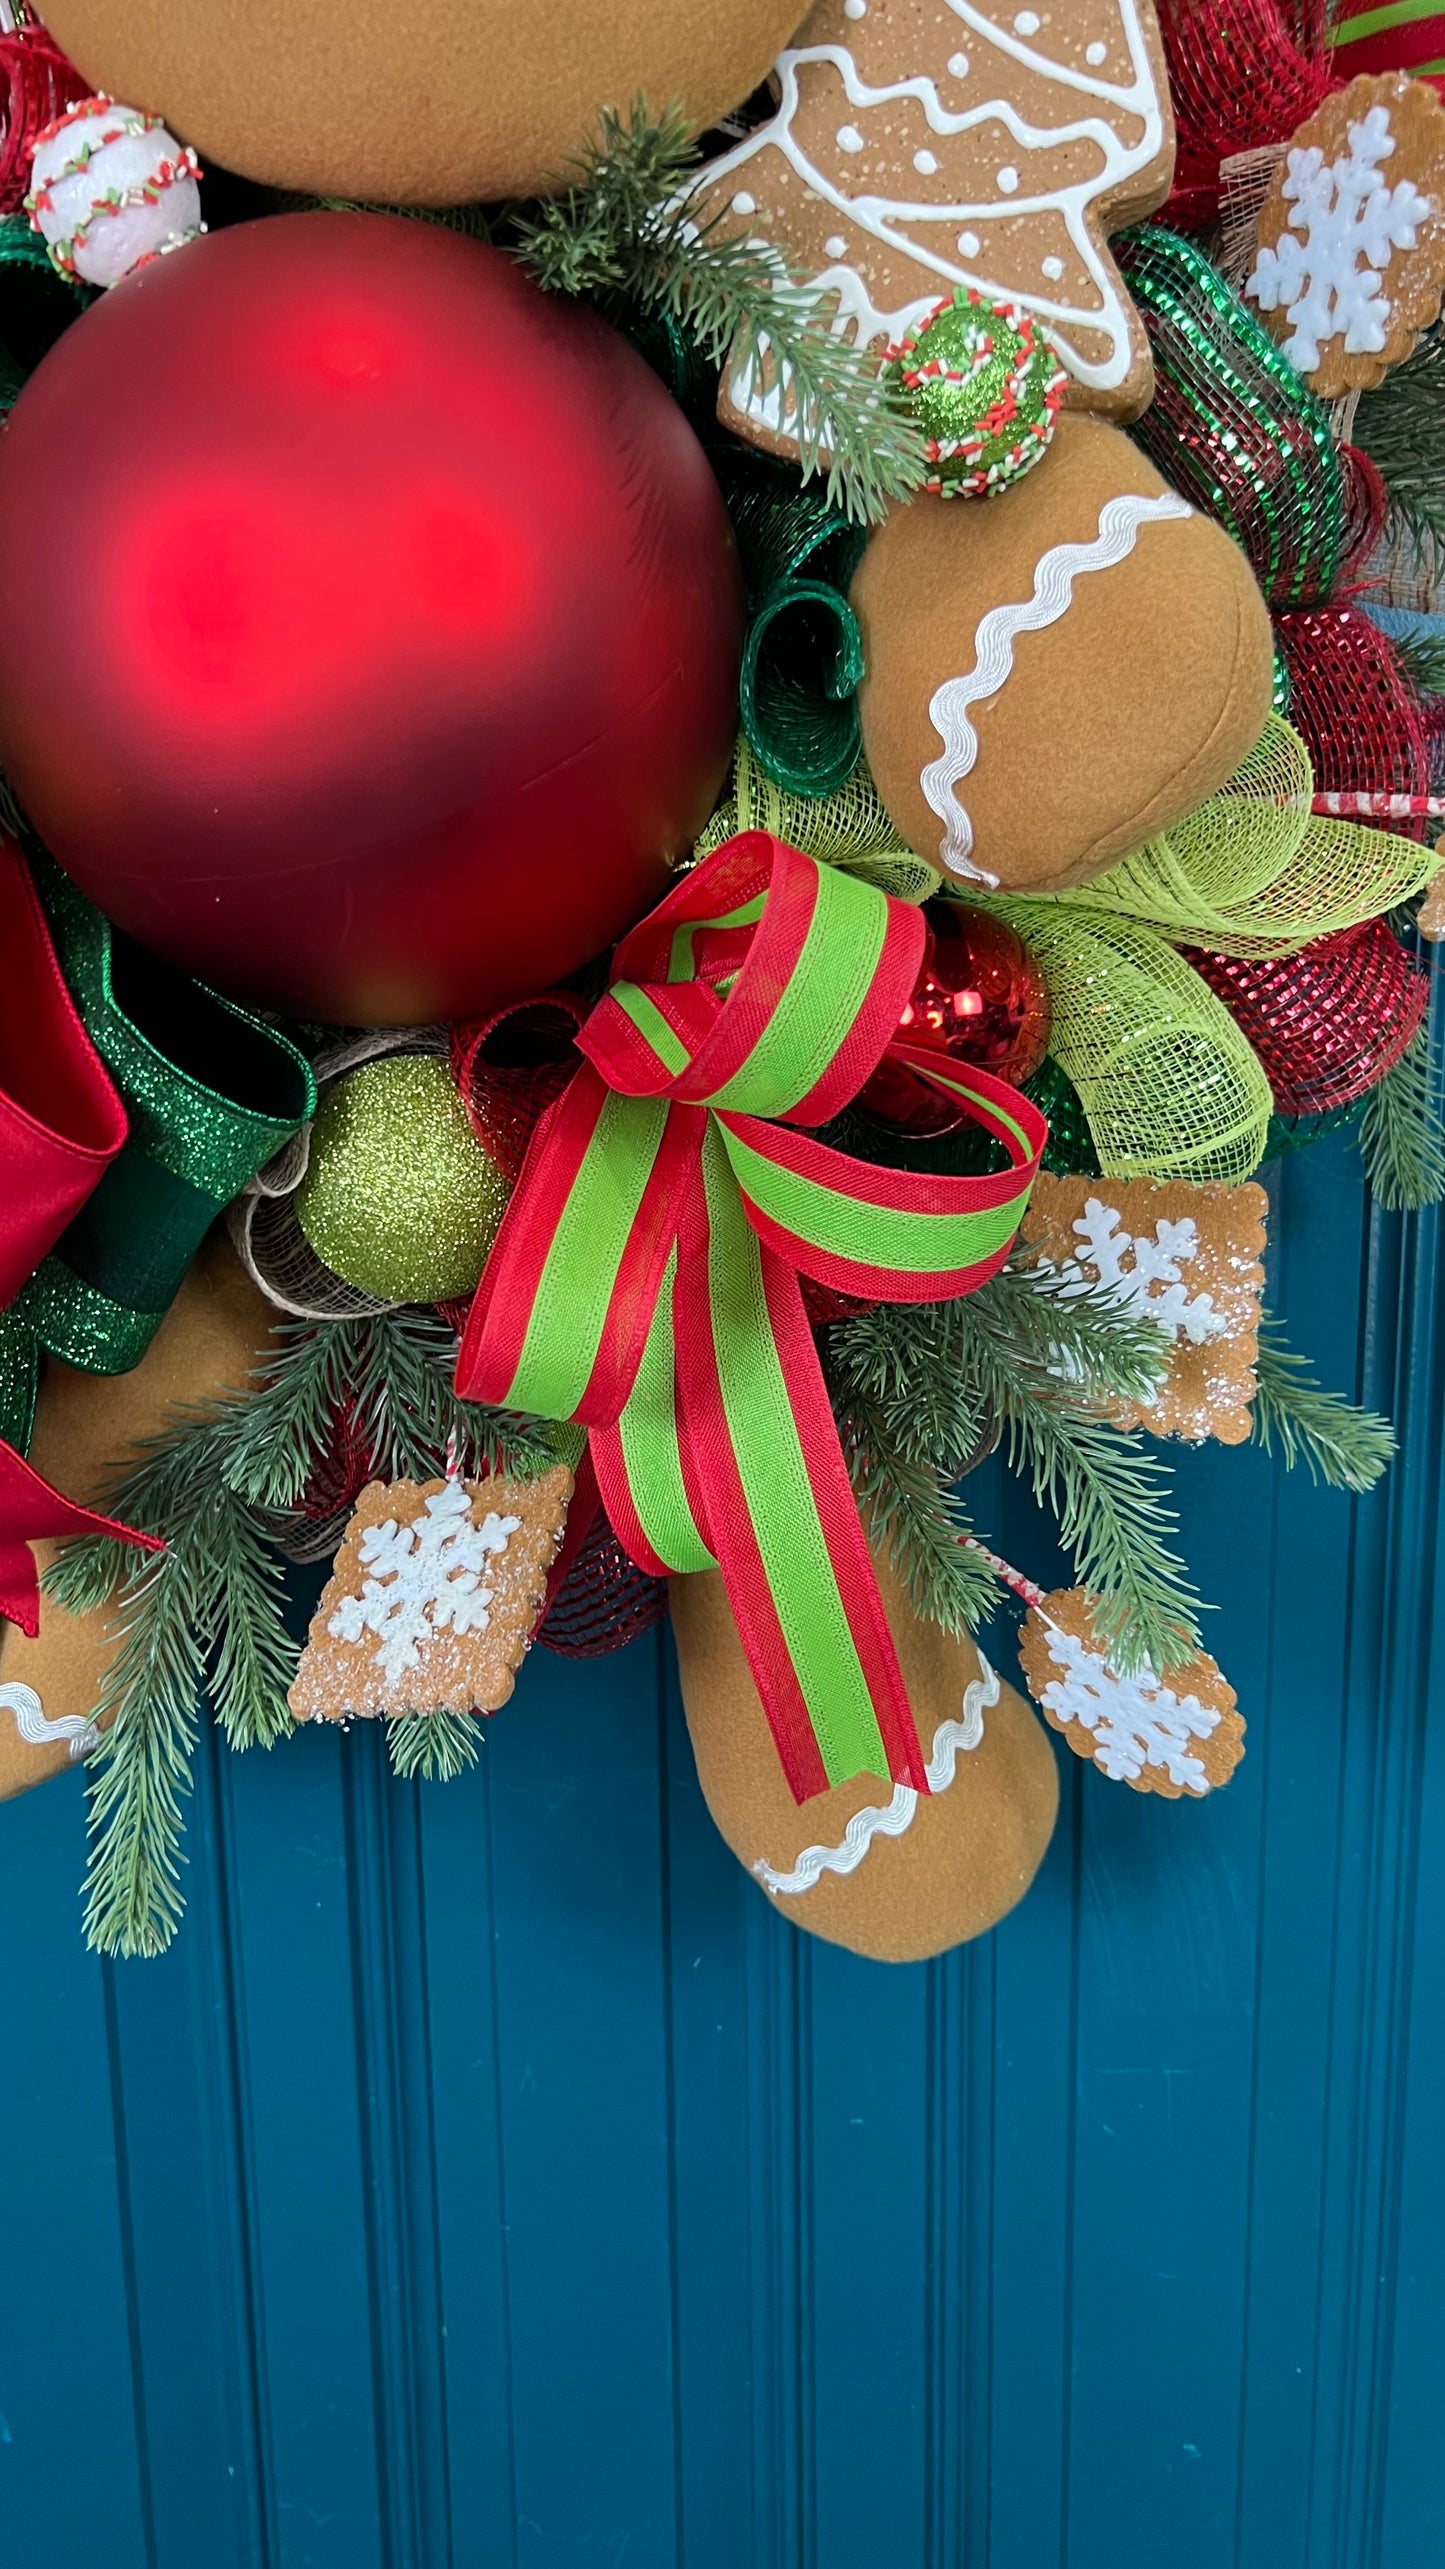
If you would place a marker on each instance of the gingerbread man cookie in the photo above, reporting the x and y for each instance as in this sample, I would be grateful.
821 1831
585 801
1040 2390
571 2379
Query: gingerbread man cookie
1186 1258
1351 260
924 145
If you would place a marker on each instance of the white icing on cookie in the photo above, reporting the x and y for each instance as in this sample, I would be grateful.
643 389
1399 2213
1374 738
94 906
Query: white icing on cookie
950 710
888 220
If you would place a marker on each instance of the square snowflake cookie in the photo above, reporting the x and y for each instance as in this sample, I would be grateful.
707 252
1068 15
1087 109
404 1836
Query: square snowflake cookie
1179 1736
1350 262
434 1597
1186 1258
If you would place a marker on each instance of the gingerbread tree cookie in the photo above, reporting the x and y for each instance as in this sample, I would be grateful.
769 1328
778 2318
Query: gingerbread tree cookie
1175 1736
923 145
1186 1258
434 1597
1351 260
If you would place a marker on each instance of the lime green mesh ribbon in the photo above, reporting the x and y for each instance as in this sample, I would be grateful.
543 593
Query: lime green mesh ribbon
1170 1086
1253 872
848 828
211 1094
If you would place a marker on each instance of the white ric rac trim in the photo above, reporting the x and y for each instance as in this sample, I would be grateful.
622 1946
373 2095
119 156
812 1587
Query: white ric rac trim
949 712
872 1823
38 1732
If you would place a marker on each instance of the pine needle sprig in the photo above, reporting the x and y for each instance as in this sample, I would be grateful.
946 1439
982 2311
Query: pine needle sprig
1345 1447
137 1783
219 1485
627 229
1401 427
436 1747
914 1385
1422 656
1038 1317
1401 1136
255 1657
908 1508
278 1433
213 1600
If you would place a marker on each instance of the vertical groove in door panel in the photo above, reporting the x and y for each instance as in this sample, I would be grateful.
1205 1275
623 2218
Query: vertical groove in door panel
504 2186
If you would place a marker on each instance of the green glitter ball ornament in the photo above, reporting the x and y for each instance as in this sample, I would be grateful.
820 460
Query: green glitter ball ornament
985 387
399 1198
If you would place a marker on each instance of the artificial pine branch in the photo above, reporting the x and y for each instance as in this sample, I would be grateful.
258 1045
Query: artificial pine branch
218 1486
626 229
1401 1136
921 1385
1401 427
169 1611
438 1747
909 1509
137 1783
1344 1446
255 1657
1422 656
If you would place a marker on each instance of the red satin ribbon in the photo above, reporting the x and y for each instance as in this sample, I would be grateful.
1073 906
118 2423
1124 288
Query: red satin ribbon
32 1512
61 1125
61 1121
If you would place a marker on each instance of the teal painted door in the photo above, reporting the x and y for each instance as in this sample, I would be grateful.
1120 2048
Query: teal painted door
488 2181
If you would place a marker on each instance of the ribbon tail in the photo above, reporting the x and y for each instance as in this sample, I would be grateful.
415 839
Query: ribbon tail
639 1461
32 1512
769 1486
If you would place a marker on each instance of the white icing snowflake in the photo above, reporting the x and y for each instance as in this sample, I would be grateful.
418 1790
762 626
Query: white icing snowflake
1134 1721
1151 1286
426 1576
1330 281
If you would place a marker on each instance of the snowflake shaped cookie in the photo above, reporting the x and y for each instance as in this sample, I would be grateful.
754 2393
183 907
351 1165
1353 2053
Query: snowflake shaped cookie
1186 1258
434 1597
1175 1736
1350 265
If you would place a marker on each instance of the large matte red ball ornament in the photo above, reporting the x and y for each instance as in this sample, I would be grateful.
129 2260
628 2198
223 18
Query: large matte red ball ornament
369 620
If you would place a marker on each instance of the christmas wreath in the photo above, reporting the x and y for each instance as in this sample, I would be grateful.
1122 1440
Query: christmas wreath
698 760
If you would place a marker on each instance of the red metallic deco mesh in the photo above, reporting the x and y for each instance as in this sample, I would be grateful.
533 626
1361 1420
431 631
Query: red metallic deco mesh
1328 1022
604 1602
343 1471
36 82
1242 73
1362 721
510 1066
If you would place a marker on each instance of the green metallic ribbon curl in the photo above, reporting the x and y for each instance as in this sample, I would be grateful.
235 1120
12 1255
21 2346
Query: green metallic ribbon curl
803 653
211 1093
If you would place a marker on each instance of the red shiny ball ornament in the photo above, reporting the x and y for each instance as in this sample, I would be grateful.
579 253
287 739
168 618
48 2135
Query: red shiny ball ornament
982 997
369 620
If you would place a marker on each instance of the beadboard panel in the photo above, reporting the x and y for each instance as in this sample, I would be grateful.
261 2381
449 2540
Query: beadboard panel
487 2180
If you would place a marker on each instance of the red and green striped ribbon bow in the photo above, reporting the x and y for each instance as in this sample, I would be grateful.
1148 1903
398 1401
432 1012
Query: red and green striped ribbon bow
645 1279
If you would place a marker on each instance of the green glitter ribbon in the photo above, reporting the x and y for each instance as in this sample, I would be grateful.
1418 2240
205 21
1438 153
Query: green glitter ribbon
985 387
211 1094
35 304
802 654
1232 425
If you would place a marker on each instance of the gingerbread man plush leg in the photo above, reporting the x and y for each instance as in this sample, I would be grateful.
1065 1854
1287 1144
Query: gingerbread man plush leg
896 1878
86 1427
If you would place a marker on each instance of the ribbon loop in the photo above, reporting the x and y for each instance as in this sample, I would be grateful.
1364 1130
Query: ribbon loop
645 1277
